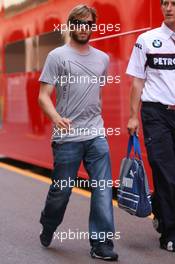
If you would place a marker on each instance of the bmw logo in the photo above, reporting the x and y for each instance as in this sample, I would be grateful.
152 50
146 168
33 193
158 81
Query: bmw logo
157 43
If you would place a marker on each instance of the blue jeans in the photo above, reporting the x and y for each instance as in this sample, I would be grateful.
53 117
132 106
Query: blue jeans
67 159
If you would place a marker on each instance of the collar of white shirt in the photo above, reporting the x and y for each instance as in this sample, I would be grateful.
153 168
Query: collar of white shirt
167 31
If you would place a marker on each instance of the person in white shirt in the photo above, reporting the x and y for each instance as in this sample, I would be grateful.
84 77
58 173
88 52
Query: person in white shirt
152 67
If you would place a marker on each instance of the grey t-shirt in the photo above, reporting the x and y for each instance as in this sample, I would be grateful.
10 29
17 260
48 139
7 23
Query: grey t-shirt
78 79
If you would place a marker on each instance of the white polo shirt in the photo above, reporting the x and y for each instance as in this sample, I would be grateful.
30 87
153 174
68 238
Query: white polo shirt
153 59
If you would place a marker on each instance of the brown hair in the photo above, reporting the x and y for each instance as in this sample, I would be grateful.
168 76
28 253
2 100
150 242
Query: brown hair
82 11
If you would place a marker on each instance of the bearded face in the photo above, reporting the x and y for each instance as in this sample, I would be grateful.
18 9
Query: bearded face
81 29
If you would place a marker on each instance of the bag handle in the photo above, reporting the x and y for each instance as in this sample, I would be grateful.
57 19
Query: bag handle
134 142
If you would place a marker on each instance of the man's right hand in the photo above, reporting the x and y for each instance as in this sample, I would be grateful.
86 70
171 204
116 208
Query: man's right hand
62 123
133 125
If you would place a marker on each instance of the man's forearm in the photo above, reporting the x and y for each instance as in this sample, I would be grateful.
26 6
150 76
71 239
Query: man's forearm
48 108
135 98
135 101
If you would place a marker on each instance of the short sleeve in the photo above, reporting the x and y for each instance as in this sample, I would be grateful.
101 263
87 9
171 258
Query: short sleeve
136 66
106 69
107 60
50 71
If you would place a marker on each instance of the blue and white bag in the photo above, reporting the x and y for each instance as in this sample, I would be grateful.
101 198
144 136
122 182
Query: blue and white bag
133 192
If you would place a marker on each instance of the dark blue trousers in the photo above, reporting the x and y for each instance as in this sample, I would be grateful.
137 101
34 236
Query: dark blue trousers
67 159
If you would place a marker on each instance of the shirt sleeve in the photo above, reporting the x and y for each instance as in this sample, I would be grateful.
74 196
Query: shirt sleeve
137 63
50 72
105 73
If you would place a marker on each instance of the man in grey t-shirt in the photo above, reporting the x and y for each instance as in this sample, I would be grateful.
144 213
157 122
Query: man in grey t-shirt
77 71
78 78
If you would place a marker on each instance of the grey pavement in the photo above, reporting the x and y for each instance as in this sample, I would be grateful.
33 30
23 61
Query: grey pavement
21 200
